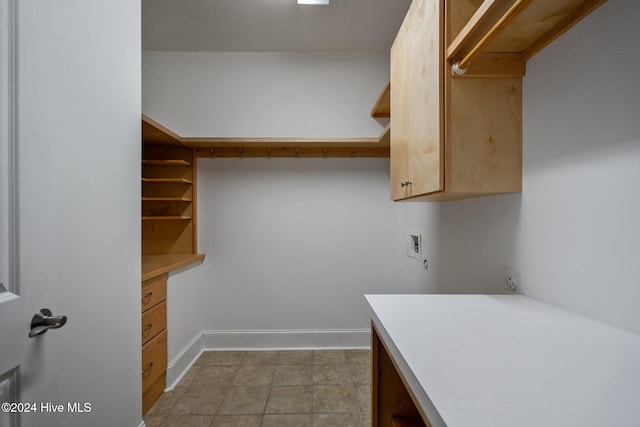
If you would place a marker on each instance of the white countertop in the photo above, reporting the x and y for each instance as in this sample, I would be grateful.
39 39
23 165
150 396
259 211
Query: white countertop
509 360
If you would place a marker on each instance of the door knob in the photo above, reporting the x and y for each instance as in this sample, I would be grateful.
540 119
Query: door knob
42 321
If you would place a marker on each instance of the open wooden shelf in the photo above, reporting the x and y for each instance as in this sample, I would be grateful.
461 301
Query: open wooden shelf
167 163
165 218
155 265
167 180
289 147
166 199
382 106
385 136
502 35
156 134
168 211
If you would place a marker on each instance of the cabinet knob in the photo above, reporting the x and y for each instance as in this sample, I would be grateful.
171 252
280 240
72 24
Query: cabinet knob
405 183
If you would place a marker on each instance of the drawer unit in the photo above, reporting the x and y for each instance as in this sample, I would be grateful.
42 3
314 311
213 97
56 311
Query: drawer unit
154 360
154 339
154 291
154 321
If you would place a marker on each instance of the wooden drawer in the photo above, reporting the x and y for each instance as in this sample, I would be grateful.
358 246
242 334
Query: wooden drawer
154 360
154 321
153 394
154 291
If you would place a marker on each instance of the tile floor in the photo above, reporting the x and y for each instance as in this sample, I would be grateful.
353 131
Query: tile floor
298 388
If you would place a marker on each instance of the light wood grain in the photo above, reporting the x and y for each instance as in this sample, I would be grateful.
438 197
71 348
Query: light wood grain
564 24
152 394
199 143
158 265
494 65
399 144
292 152
417 102
154 291
194 204
154 360
492 33
382 106
154 132
513 26
485 136
153 322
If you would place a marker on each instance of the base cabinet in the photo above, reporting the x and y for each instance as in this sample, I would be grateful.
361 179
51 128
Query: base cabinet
391 402
154 340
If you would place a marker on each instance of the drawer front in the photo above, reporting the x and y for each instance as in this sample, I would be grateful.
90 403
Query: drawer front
154 321
154 360
153 394
154 291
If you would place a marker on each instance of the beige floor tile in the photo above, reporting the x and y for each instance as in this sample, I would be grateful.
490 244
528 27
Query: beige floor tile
245 400
361 373
188 377
331 374
363 397
338 398
215 375
297 388
261 358
290 400
295 357
220 358
290 420
293 375
201 400
336 420
329 357
255 375
153 421
359 356
186 421
166 402
237 421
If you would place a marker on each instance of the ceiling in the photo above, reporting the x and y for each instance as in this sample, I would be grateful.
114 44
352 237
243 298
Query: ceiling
271 25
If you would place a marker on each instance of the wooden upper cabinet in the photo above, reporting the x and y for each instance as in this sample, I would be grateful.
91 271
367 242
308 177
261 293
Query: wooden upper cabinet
417 134
456 132
450 138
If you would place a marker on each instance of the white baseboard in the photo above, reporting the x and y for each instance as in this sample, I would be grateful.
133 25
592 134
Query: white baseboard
279 339
180 364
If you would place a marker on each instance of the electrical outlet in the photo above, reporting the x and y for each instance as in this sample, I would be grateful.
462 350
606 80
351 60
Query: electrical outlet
414 245
512 279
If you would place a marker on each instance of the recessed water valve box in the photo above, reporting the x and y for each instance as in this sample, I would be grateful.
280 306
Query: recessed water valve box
414 245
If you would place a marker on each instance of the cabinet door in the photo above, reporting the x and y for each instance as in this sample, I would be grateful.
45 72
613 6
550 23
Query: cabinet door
417 119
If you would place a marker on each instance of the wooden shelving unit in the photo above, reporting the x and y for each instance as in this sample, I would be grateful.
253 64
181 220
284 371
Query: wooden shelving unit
499 36
168 193
289 147
456 70
382 106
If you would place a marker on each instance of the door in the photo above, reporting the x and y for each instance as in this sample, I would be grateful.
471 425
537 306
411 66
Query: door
417 120
69 209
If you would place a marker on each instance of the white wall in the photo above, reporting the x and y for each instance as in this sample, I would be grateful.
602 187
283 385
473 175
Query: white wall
574 230
294 244
264 94
291 245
